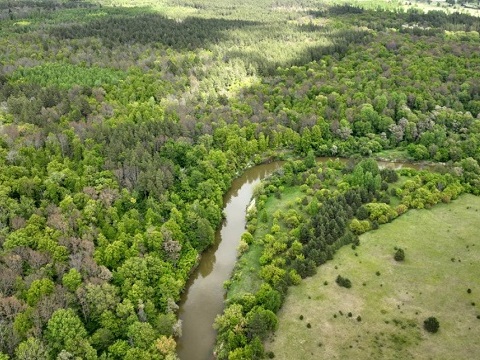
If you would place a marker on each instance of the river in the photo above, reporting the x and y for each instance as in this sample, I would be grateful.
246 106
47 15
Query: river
204 294
203 298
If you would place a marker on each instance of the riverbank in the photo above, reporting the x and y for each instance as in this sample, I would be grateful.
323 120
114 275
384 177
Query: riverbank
203 297
207 279
303 215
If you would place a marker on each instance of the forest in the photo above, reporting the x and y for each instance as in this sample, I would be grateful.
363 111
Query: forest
123 124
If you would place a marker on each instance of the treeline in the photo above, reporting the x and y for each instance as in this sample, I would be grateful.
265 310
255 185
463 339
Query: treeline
380 19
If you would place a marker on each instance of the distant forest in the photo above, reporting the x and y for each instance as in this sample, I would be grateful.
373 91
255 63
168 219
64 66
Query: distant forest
122 127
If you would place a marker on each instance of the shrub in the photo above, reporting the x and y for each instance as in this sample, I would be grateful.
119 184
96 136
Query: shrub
383 186
389 175
399 255
431 324
343 282
247 237
242 248
359 227
294 278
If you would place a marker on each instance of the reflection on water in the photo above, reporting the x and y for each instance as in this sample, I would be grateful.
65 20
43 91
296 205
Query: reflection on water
207 269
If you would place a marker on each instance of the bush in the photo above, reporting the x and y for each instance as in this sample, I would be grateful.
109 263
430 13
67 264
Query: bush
389 175
359 227
399 255
362 213
247 238
344 282
431 324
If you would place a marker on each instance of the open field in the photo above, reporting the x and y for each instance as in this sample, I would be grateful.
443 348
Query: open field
442 248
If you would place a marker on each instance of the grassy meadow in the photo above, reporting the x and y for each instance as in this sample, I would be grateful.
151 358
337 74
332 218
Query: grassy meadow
381 316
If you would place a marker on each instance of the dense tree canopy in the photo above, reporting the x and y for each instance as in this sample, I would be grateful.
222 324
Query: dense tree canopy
122 127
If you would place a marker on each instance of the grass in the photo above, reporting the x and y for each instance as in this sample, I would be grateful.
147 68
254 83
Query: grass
245 277
442 248
393 155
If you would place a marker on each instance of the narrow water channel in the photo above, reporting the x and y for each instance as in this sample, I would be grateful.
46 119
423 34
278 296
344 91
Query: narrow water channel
204 294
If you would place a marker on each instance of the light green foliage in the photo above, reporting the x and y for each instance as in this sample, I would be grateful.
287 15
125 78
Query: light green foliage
141 334
67 75
272 274
247 237
72 280
38 289
269 298
119 349
366 174
31 349
359 226
65 331
294 278
114 254
100 299
380 212
424 189
231 317
136 353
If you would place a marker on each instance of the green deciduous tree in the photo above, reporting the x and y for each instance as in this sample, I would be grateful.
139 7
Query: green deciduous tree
72 280
31 349
65 331
38 289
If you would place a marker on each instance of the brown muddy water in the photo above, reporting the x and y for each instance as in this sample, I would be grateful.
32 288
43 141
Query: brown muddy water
203 298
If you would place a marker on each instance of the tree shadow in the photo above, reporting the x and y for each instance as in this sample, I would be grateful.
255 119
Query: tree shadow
144 26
